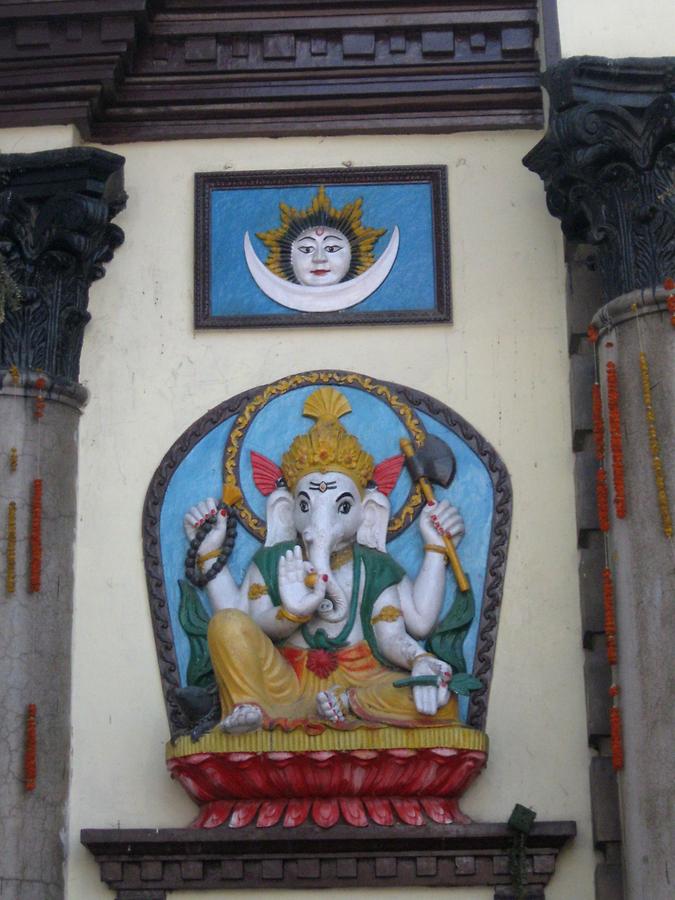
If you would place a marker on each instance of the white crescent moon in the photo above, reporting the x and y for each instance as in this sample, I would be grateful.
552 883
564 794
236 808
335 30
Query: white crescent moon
330 298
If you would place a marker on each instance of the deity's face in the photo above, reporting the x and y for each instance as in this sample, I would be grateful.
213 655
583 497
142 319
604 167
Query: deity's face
320 256
327 510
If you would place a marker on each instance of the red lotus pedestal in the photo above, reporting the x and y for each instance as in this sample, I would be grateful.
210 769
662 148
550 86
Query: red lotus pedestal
277 778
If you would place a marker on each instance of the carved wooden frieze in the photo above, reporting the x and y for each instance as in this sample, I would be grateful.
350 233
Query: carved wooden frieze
192 68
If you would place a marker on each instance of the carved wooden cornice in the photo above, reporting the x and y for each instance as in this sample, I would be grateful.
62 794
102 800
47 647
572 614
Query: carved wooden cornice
55 235
608 164
147 864
161 69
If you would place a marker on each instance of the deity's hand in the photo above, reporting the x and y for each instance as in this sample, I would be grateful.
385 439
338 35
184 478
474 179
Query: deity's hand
296 597
197 515
429 698
439 518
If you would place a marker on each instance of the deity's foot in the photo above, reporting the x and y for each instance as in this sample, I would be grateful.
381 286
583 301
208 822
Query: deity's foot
333 705
242 719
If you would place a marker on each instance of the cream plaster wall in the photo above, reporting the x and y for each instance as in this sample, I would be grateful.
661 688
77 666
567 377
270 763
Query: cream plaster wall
502 365
617 28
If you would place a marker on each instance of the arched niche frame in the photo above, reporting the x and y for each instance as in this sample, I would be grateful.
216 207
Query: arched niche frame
216 448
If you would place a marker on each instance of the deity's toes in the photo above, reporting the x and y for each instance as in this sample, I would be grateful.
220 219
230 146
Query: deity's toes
242 719
331 705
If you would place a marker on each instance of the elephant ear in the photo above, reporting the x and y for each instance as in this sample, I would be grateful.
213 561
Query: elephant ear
279 514
266 474
373 529
385 474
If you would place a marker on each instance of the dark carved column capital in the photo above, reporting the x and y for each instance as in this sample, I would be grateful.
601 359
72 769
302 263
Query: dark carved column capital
608 164
56 209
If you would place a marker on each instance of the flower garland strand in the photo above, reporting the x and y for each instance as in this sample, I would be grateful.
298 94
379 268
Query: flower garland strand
598 425
615 726
602 498
615 440
615 730
669 285
13 459
10 578
610 616
36 538
30 755
655 448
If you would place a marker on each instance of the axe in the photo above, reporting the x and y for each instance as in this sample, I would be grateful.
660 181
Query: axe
435 462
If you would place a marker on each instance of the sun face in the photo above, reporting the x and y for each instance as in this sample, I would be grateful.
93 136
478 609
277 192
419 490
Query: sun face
320 245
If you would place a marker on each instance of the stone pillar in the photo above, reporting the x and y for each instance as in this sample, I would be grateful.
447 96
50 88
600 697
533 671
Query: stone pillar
55 235
608 164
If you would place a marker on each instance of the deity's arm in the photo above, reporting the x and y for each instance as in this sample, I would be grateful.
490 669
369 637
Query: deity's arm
393 640
401 649
223 591
422 600
264 613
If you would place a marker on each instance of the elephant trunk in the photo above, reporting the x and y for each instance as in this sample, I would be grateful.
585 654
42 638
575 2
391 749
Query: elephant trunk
319 547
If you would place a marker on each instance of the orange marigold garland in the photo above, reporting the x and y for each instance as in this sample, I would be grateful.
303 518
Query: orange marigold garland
10 578
669 285
15 375
598 426
654 446
610 618
602 497
615 731
615 440
40 401
36 538
30 756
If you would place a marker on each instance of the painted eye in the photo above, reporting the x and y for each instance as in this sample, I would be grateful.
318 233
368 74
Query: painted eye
306 249
345 508
304 506
333 248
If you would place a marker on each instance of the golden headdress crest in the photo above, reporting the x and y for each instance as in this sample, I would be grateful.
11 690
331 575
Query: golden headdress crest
327 446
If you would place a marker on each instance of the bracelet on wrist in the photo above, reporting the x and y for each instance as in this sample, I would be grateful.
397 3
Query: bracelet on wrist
291 617
205 557
434 549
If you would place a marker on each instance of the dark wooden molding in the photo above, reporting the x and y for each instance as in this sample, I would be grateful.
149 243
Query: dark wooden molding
163 69
146 864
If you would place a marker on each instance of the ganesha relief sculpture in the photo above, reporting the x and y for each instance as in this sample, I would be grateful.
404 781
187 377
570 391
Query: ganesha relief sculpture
334 652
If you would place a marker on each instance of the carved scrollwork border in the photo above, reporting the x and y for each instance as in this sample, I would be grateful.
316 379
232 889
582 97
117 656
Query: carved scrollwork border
497 552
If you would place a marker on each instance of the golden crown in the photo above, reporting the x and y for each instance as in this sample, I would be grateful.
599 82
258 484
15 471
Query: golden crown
327 446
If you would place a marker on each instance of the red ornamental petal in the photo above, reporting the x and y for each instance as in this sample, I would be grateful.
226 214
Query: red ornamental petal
408 810
325 812
353 812
385 474
321 662
379 810
244 813
213 814
266 473
669 284
297 812
270 813
438 810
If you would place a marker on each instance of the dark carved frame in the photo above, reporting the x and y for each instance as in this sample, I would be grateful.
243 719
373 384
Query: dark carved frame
435 176
496 562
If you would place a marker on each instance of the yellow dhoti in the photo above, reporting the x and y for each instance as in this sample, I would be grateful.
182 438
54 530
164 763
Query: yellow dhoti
283 682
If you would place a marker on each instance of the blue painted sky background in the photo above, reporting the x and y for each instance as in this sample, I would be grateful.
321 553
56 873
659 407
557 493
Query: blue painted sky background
199 476
409 285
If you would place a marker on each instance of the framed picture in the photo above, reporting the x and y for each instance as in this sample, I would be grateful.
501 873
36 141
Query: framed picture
322 247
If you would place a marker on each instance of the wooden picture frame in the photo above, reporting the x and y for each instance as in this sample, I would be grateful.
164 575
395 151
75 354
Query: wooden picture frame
394 252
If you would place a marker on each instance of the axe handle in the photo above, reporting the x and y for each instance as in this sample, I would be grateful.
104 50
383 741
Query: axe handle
455 564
